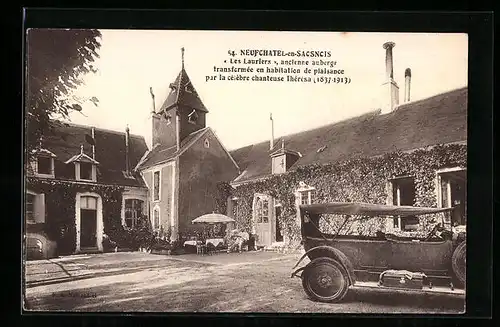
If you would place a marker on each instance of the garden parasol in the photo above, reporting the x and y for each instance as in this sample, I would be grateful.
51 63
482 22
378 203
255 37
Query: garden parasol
213 218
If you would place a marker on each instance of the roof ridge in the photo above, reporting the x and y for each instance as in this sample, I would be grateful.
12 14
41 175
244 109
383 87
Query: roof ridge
310 130
179 83
350 118
102 129
404 104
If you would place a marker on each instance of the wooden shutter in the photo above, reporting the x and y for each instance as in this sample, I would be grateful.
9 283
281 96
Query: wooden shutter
39 208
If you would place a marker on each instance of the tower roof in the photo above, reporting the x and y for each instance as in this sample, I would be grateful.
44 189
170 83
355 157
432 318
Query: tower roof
183 93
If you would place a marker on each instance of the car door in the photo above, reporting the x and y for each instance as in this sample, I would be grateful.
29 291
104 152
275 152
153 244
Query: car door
366 254
419 256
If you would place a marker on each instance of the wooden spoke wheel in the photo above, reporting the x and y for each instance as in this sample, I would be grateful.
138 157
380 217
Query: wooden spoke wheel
325 280
458 262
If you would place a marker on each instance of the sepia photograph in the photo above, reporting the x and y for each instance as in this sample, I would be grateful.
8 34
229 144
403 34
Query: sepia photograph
245 171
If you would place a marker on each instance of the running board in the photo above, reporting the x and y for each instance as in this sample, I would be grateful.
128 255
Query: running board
425 289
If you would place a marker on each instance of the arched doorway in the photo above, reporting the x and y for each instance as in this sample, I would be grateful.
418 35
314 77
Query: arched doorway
88 221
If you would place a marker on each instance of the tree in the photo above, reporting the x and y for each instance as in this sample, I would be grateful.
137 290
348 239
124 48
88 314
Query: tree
56 61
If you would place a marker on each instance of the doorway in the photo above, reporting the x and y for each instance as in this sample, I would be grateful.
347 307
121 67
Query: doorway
453 193
279 231
88 222
262 221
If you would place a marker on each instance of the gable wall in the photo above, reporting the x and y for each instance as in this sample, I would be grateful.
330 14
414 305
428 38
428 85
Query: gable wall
201 169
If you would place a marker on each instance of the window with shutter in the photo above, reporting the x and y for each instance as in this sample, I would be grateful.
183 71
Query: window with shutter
30 200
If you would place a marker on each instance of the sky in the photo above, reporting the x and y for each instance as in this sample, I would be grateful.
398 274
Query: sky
132 61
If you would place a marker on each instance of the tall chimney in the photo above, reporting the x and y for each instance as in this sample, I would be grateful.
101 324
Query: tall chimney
154 118
389 71
390 95
127 151
271 141
407 84
93 145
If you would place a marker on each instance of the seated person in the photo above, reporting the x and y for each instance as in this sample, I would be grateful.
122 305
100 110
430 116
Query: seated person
239 239
236 244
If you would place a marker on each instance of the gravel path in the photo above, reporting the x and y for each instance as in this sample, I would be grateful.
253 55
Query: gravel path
219 284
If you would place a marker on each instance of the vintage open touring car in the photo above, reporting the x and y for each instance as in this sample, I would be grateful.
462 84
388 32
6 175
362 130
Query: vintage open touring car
433 263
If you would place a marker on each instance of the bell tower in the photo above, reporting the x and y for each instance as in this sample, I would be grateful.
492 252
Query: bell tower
181 114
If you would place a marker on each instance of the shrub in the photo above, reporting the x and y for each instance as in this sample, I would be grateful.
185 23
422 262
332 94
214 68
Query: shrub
142 234
107 244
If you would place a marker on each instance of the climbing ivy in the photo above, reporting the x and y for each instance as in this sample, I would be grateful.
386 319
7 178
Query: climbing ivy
60 210
358 179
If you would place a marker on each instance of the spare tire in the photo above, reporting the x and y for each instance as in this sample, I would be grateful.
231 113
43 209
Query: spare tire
458 262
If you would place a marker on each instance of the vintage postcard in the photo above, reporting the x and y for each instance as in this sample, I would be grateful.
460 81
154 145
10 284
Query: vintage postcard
245 171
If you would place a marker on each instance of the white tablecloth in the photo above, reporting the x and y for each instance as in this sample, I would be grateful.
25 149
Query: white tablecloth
215 241
193 243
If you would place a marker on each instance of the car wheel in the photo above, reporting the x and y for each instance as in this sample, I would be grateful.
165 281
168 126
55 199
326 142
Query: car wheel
458 262
325 280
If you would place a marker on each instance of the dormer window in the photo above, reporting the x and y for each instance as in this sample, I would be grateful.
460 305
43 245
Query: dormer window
85 167
282 159
86 171
44 163
193 117
279 164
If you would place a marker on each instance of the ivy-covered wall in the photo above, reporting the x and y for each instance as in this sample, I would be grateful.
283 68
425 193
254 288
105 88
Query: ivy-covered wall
357 179
60 210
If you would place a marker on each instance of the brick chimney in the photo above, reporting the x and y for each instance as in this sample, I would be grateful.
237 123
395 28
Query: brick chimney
407 84
390 89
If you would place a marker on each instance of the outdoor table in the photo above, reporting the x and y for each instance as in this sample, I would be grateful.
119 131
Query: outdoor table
215 241
193 243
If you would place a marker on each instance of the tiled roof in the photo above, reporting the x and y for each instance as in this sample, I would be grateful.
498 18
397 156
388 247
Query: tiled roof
109 152
436 120
183 93
161 153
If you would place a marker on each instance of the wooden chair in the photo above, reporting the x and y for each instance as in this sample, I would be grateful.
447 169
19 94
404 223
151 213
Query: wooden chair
210 249
201 247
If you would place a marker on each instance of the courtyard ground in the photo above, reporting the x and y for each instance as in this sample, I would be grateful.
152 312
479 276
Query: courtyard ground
247 282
